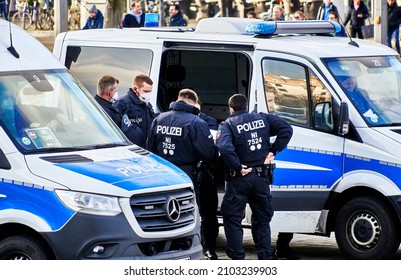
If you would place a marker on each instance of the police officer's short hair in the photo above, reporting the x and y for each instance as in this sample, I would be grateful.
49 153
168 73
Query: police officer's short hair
141 78
238 102
105 82
187 93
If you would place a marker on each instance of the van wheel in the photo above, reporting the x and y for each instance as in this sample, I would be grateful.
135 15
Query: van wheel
365 230
21 247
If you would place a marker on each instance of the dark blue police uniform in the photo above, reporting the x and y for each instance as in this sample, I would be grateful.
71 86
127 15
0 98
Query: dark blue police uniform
244 139
107 106
139 113
181 137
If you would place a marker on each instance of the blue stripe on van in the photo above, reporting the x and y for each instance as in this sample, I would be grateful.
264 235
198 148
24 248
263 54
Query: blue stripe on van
312 169
37 200
321 169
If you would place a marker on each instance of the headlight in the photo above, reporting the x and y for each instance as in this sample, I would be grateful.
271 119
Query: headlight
90 203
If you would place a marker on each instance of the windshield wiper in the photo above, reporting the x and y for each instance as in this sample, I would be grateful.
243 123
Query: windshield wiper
109 145
56 150
388 124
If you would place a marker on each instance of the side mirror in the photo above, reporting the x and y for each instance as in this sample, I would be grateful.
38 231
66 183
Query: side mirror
323 117
343 127
4 163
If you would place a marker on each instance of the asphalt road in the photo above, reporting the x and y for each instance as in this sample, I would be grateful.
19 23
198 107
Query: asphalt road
310 247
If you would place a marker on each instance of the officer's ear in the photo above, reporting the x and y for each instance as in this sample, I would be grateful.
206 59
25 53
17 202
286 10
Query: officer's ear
231 110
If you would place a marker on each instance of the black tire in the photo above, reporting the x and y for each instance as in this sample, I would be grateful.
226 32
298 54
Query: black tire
365 229
21 247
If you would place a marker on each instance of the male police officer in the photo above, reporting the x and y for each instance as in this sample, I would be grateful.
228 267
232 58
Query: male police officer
244 143
137 107
183 138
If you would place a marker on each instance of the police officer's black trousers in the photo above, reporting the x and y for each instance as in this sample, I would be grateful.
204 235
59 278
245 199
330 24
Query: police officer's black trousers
207 200
208 210
253 190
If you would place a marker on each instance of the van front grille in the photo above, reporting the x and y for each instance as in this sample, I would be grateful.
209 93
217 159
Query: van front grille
164 211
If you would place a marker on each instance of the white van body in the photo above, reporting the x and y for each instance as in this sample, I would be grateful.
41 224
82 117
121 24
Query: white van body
71 185
341 170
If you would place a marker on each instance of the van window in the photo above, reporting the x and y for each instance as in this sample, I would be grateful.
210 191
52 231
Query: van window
90 63
373 86
292 91
215 76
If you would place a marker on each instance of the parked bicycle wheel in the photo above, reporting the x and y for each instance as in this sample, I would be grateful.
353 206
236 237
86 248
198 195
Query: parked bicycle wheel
45 21
22 19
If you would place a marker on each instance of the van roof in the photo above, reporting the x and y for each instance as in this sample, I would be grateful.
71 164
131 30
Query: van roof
32 53
233 31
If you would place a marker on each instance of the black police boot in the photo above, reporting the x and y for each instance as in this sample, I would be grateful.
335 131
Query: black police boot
210 255
287 253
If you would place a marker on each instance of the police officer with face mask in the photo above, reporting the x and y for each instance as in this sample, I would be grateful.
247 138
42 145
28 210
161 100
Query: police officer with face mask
107 87
244 143
136 106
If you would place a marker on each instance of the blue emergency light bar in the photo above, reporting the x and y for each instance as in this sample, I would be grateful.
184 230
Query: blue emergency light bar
292 27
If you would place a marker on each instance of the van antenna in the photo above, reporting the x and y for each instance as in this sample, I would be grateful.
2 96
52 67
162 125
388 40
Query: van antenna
11 48
351 42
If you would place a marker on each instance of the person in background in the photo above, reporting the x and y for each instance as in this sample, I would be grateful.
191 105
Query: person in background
298 15
3 9
176 16
95 19
252 14
135 17
393 23
277 14
107 93
325 9
247 156
357 14
184 139
293 6
136 106
333 16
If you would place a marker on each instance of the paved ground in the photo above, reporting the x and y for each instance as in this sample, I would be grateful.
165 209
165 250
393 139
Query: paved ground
310 247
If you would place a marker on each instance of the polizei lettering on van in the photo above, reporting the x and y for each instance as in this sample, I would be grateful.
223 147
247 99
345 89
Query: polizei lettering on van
169 130
250 126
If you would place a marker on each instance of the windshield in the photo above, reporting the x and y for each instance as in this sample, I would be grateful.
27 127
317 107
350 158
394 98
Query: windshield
50 110
373 85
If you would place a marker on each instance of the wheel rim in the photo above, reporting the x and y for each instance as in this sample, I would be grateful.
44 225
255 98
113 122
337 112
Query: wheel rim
16 256
364 231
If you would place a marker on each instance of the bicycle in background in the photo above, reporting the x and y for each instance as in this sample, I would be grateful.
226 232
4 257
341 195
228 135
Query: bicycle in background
22 17
46 21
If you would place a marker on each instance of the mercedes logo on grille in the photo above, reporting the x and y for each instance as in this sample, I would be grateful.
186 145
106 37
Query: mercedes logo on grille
173 210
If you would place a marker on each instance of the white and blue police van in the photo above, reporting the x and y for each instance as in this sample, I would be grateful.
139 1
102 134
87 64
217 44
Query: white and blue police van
71 184
340 173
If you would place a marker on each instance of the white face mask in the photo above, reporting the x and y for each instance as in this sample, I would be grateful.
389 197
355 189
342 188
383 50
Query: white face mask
145 97
115 96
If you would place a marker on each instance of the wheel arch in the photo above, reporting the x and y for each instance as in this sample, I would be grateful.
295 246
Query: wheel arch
337 200
11 229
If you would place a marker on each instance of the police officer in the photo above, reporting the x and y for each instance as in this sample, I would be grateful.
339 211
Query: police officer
183 138
244 143
107 93
137 107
